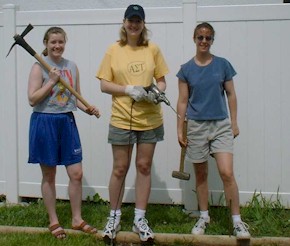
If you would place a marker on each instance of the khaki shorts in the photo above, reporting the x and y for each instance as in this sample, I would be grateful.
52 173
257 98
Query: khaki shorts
118 136
206 137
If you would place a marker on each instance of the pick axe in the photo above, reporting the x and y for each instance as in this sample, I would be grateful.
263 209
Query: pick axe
181 174
19 39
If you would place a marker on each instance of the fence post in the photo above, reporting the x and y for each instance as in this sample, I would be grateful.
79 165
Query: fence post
10 132
189 23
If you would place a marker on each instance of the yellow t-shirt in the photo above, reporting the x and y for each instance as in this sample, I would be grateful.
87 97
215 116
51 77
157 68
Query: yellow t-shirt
125 65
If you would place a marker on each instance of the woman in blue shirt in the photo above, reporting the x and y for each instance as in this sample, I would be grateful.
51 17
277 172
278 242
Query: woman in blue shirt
204 83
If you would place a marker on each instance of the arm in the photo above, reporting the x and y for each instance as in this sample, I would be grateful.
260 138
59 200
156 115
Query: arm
181 110
161 83
232 101
37 91
112 88
92 110
138 93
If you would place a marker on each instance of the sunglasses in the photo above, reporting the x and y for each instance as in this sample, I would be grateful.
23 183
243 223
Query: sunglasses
207 38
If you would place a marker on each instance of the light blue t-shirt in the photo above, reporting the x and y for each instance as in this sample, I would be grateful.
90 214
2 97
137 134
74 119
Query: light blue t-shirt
206 88
60 99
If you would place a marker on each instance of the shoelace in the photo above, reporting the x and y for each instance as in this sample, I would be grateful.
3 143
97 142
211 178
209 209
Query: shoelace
111 223
201 223
143 224
242 226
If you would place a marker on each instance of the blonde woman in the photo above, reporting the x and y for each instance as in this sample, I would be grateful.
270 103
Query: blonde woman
129 66
53 137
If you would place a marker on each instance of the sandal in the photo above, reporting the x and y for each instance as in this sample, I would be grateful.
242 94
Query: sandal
85 227
59 234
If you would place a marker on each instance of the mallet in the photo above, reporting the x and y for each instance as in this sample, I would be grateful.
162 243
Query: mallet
19 39
181 174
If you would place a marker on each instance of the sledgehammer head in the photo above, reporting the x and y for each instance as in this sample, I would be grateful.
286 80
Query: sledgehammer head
180 175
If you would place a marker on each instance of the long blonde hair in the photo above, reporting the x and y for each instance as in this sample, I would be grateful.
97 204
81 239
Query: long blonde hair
143 40
52 30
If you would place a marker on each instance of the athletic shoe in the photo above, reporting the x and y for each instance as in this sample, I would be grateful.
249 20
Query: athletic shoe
200 226
241 230
144 231
111 228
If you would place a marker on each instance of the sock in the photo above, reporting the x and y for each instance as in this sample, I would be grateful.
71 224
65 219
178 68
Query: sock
139 213
204 214
117 214
236 218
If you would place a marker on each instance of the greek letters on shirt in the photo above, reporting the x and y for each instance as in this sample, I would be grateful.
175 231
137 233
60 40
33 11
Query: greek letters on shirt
136 68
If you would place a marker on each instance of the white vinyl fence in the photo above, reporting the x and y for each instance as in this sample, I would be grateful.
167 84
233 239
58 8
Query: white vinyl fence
254 38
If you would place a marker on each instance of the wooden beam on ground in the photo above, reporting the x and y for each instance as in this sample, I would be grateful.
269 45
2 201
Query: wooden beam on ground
168 238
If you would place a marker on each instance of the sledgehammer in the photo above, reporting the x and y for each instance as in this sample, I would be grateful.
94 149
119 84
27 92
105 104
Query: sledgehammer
181 174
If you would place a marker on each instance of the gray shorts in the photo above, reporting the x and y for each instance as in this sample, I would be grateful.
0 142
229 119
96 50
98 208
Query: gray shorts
118 136
206 137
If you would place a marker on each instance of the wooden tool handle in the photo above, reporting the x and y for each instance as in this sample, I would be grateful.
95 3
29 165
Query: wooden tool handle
20 41
66 85
182 156
183 149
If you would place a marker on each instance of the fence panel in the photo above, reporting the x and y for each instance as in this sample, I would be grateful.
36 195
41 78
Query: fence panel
2 105
253 38
89 35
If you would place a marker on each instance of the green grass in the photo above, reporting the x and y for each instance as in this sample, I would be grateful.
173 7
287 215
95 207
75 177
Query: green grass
266 218
46 239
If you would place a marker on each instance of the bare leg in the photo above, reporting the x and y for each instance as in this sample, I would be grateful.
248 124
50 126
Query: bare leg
49 197
225 167
122 157
201 172
75 174
144 158
49 193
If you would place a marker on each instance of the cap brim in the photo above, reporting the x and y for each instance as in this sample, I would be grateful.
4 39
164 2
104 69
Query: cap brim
134 14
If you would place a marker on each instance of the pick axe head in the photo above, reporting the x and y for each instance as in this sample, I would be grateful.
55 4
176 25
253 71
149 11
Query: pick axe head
19 39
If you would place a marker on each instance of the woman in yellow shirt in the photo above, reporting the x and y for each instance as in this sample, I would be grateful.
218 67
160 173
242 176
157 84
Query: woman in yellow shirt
128 67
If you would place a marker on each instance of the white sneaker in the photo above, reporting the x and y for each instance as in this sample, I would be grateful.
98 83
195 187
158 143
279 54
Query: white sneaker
200 226
144 231
241 230
111 228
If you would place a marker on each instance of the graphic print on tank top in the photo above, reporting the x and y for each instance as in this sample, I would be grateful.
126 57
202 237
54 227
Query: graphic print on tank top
62 94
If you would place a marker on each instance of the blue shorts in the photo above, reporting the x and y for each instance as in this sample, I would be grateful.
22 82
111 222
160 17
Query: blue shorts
118 136
54 139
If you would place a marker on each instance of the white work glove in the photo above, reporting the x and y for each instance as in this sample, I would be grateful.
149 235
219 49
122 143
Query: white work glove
151 97
136 92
